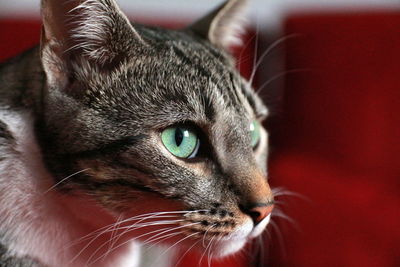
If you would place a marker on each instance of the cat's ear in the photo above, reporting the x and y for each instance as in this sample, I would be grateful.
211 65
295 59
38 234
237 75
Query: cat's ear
223 26
92 30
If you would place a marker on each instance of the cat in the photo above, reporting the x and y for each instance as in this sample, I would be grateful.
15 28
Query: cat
115 135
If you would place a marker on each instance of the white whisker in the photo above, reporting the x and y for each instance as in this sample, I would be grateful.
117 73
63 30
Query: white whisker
209 254
150 240
64 179
114 230
106 231
254 65
205 234
176 243
186 252
279 236
267 51
205 251
126 242
280 191
110 226
240 58
279 75
163 238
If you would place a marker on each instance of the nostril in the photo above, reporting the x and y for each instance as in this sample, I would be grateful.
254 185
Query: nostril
256 216
259 213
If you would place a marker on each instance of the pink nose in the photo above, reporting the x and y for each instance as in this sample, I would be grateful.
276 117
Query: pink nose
259 213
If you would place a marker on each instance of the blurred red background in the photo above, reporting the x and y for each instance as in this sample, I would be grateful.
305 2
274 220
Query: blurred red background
335 129
338 140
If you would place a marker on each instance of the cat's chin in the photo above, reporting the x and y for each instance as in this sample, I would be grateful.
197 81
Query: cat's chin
235 242
226 248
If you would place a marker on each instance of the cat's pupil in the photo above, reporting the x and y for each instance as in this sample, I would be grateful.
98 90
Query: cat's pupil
179 136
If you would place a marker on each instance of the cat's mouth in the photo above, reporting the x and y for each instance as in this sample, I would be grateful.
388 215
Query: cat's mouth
219 229
224 238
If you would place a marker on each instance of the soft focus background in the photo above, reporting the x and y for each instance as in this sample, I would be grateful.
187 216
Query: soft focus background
330 72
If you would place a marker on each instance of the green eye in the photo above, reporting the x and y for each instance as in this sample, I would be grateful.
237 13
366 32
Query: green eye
255 133
181 141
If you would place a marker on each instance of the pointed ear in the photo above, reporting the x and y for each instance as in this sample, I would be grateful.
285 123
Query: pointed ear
223 26
92 30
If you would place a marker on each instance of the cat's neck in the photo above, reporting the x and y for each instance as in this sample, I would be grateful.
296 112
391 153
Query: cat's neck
39 221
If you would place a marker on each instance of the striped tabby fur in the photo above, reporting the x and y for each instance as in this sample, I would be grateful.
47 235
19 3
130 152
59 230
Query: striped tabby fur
84 177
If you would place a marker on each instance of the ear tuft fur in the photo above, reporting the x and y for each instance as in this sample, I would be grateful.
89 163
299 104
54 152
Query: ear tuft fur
101 31
95 29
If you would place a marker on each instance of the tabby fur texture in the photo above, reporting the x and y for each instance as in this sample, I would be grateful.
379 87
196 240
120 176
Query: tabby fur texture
84 175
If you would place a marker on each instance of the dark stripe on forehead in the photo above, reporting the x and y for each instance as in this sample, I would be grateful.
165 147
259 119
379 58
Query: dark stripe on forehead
218 81
204 72
182 56
223 83
208 107
222 67
247 93
221 64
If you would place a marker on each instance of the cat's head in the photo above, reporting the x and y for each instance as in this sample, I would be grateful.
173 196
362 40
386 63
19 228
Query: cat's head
146 120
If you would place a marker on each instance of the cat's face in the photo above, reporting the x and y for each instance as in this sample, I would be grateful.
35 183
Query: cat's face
167 126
